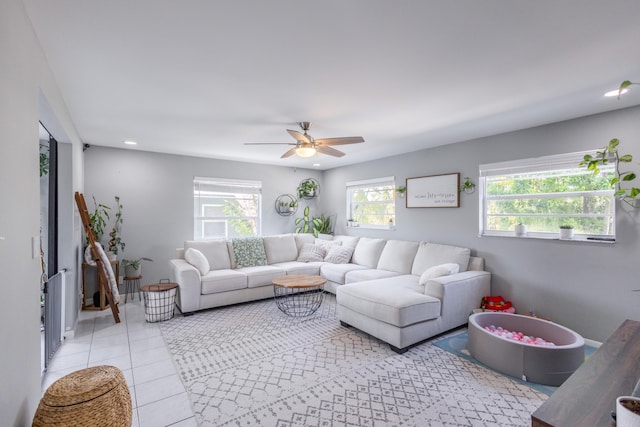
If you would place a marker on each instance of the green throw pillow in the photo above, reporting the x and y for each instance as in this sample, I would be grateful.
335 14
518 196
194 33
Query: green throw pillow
249 252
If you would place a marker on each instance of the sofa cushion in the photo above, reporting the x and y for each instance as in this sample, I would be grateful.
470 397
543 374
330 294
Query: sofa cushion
326 244
391 300
197 259
280 248
295 267
367 252
336 272
439 271
338 255
432 254
398 256
302 238
223 280
248 252
216 252
367 274
261 275
345 240
311 252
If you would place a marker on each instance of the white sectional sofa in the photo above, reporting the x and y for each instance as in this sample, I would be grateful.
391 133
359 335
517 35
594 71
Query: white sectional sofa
401 292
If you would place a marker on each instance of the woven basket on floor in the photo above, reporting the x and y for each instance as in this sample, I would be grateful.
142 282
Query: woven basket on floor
92 397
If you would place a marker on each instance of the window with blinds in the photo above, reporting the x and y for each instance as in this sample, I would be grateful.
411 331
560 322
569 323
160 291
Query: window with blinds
544 193
371 203
224 208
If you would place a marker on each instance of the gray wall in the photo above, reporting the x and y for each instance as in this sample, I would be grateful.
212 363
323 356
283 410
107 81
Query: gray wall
585 286
26 85
156 191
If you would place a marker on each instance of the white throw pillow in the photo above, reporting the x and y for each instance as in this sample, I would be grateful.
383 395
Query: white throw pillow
439 271
326 244
339 255
311 252
197 259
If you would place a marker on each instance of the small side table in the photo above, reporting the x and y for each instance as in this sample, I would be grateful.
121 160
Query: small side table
298 295
130 285
159 300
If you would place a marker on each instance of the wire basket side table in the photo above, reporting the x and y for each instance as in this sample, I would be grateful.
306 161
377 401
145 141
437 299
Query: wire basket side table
298 295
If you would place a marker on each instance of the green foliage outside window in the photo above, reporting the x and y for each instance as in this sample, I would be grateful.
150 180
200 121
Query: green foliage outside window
373 205
237 211
543 203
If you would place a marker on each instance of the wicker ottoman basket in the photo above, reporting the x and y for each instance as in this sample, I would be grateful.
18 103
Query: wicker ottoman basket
96 396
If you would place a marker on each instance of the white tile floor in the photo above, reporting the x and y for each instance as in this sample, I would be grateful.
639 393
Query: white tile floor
137 348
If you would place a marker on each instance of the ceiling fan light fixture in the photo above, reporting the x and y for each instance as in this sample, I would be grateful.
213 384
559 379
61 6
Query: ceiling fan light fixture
305 151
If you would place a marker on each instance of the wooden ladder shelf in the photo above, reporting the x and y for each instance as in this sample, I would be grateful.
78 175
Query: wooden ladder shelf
103 281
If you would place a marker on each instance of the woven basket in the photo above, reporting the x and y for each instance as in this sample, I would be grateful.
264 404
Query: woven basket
92 397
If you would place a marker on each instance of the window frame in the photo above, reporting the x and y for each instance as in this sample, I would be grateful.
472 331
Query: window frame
228 187
371 183
567 161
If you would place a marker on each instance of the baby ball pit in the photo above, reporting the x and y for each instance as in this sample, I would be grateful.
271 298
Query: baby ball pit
550 365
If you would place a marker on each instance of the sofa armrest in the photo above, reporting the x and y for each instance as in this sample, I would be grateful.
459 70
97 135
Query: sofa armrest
459 294
189 282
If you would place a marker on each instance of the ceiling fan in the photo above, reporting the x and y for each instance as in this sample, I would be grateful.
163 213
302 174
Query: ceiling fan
307 146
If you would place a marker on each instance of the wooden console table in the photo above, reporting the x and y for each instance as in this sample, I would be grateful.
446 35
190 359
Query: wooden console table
589 395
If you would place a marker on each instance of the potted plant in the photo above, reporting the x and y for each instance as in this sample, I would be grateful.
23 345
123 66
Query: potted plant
304 224
521 229
566 231
627 411
401 191
468 186
308 188
116 243
133 267
610 153
293 205
97 218
321 225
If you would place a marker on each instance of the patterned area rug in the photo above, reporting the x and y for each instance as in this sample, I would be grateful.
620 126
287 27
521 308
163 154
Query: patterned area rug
457 344
251 365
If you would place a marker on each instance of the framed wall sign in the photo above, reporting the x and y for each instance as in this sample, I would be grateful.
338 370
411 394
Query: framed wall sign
435 191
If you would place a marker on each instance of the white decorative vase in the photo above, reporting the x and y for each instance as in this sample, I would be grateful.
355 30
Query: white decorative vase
566 233
521 230
624 416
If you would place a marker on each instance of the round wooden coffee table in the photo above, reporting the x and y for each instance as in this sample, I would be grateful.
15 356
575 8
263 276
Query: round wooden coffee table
298 295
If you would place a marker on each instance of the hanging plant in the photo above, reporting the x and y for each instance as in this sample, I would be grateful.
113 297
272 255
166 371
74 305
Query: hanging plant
308 188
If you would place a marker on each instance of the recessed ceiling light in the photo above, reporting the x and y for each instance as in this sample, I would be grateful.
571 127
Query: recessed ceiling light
616 92
316 164
131 143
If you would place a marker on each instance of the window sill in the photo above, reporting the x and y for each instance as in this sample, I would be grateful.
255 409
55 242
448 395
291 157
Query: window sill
577 239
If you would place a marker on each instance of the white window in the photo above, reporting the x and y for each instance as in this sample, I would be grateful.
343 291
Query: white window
371 203
224 208
544 193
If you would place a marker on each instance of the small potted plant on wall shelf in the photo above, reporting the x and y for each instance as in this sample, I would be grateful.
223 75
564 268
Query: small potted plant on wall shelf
521 229
401 191
133 267
308 188
468 186
566 231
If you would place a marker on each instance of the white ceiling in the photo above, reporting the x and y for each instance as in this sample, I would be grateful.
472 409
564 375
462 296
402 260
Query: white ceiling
202 77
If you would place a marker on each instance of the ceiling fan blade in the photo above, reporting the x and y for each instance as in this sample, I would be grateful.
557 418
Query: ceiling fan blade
340 141
269 143
299 136
330 151
289 153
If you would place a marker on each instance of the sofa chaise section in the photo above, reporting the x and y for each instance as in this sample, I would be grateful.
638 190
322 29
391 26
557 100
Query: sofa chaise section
407 309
